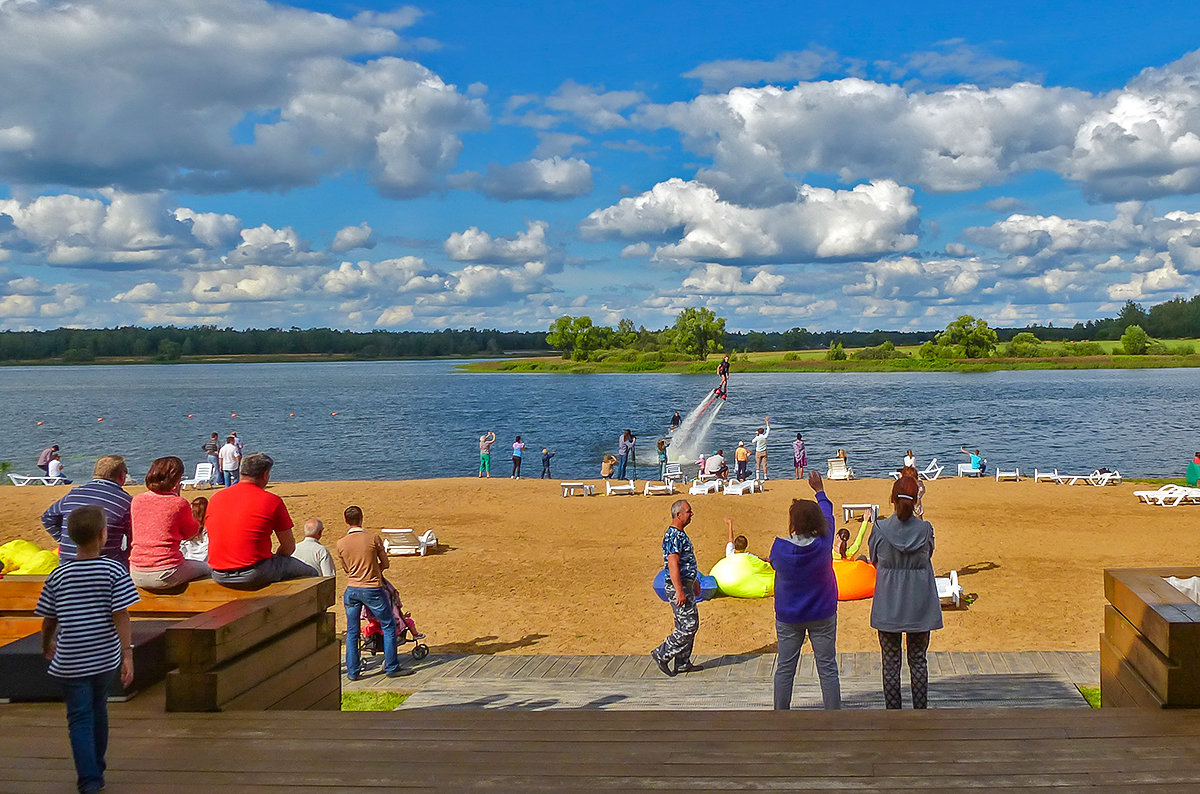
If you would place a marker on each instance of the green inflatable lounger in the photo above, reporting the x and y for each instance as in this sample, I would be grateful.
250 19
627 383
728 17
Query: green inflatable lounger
744 576
708 586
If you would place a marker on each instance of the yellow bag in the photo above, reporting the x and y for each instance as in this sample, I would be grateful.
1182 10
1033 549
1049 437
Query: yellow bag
744 576
15 553
41 562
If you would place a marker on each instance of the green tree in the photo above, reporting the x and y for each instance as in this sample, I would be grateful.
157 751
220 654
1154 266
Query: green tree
976 339
698 332
1025 345
1135 340
564 334
836 352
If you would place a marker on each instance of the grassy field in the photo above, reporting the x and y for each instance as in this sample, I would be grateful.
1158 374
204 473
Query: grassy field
814 361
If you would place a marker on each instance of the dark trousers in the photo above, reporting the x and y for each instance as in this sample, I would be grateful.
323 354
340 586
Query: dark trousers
86 699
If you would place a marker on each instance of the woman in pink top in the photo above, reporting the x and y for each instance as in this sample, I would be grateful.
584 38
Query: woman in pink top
161 520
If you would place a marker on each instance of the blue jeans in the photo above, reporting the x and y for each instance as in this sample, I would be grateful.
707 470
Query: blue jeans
376 600
215 478
823 634
87 724
622 460
275 568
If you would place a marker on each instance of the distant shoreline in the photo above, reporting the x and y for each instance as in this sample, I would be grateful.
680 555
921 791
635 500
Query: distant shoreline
777 363
239 359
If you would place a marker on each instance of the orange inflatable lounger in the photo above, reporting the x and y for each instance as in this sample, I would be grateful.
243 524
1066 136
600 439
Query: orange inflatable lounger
855 579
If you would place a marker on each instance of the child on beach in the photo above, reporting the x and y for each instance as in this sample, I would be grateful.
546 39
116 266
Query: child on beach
546 456
86 638
742 456
197 548
842 548
608 465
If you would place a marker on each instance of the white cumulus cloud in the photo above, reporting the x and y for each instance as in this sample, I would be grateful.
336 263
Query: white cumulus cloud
351 237
550 179
474 245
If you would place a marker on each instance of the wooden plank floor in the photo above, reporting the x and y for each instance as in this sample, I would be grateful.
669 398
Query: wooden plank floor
307 752
957 680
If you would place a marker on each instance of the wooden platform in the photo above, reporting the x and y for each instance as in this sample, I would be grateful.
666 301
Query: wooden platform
311 753
1027 679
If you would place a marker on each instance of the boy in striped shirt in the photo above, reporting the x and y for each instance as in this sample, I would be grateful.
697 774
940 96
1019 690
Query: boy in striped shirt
86 638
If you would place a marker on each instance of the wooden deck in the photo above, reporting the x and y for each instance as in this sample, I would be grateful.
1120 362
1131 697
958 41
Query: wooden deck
1027 679
311 753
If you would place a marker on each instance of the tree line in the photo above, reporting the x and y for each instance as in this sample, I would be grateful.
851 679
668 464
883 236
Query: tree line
170 343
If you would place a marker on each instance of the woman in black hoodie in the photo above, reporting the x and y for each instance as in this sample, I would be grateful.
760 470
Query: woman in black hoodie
906 600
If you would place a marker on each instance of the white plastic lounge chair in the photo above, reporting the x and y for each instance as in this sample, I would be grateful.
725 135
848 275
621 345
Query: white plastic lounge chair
200 479
930 472
1009 474
948 589
735 488
1039 475
967 470
838 470
582 488
848 511
20 480
665 489
704 486
1100 479
623 488
673 473
399 542
1170 496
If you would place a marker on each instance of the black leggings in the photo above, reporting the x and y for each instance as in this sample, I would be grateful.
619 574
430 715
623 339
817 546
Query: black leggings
516 466
918 667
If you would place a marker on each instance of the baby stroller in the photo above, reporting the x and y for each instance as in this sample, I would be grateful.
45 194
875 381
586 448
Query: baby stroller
371 637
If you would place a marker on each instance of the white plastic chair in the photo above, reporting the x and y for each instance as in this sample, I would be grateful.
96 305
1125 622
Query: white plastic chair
617 490
930 472
1010 474
948 589
200 479
838 470
400 542
673 473
666 489
704 487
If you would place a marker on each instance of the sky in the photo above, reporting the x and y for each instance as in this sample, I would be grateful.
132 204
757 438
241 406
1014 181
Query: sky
829 165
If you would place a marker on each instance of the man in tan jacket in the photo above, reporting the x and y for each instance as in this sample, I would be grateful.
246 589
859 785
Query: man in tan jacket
363 558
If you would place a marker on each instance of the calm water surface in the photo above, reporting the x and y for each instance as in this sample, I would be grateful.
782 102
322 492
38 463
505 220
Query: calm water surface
400 420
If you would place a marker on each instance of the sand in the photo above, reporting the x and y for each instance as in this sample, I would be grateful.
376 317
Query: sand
523 570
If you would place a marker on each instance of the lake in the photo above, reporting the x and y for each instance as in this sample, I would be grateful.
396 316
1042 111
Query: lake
399 420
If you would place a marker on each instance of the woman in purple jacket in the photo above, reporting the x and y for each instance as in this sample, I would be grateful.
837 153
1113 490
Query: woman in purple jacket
806 596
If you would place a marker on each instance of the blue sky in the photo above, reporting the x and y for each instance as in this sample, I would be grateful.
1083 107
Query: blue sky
827 165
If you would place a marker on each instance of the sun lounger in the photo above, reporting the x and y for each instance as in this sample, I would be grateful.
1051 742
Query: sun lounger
1100 479
673 473
200 479
582 488
838 470
948 589
967 470
1039 475
735 488
1170 496
930 472
21 480
617 490
665 489
849 511
399 542
1010 474
704 486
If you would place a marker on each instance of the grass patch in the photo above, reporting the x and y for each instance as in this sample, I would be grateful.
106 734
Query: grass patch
1158 480
1091 694
372 701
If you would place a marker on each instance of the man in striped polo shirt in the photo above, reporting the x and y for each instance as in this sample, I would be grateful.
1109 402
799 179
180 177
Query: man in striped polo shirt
104 491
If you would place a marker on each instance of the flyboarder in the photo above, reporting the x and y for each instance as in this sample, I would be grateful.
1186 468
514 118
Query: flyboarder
722 391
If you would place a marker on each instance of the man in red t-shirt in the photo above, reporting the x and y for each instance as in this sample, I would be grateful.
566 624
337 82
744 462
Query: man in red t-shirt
240 522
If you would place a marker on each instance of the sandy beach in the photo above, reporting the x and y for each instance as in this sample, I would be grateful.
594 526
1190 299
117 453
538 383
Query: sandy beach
524 570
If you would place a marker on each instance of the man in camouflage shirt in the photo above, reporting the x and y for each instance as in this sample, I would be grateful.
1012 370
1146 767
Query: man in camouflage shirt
682 588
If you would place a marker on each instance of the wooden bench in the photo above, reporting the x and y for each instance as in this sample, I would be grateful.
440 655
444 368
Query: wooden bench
235 649
276 651
1150 648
